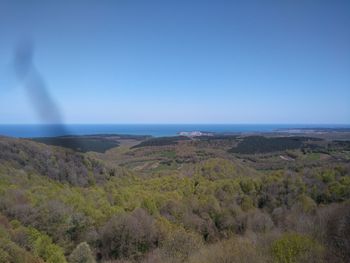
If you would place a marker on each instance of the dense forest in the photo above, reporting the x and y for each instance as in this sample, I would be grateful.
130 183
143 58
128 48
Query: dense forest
261 144
215 200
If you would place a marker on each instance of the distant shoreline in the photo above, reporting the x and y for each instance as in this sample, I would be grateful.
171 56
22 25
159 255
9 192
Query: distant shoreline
161 130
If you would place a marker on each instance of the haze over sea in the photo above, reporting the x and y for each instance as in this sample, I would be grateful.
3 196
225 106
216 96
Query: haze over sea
156 130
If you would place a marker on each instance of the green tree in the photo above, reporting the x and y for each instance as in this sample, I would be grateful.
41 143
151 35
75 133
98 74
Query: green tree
179 245
81 254
294 248
42 246
4 256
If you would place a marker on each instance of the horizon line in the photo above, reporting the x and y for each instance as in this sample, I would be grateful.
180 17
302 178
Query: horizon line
153 123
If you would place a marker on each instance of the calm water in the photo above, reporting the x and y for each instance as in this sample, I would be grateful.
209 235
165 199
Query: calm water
144 129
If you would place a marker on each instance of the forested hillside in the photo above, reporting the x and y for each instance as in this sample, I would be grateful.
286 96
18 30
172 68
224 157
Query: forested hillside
176 200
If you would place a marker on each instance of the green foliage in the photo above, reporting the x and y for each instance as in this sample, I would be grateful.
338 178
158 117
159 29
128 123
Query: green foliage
294 248
129 236
214 169
82 143
42 246
179 244
305 204
337 232
149 204
328 176
247 203
82 254
247 185
233 250
58 164
4 256
10 252
339 190
162 141
260 144
56 202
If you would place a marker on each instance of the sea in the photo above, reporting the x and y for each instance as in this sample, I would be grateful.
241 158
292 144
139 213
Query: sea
155 130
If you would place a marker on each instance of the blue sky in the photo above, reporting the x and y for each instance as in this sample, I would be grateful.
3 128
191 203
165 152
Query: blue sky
181 61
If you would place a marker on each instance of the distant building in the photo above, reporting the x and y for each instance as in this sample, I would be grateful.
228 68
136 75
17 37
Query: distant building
194 133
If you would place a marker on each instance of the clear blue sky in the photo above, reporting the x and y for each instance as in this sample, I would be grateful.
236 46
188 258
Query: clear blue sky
182 61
